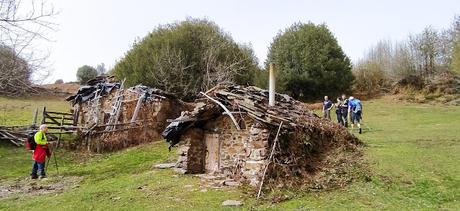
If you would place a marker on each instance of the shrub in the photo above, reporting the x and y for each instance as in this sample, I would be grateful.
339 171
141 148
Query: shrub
187 57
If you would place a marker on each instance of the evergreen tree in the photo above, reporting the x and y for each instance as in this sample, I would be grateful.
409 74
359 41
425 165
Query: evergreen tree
310 63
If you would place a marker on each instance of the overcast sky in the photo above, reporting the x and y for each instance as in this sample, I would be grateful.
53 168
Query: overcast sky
95 31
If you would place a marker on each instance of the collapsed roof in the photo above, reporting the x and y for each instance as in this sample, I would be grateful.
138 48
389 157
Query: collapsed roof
103 85
253 101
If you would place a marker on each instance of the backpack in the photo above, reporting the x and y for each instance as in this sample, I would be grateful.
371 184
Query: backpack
30 142
358 106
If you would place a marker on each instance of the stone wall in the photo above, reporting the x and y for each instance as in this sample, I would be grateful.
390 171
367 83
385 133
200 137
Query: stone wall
241 154
192 152
152 120
258 147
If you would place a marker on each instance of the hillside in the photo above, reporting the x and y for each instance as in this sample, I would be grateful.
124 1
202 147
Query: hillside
71 87
413 151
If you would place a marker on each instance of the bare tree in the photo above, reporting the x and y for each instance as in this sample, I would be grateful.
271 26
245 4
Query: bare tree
22 24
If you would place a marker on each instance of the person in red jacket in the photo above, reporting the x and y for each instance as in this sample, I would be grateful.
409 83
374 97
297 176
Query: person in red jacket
40 153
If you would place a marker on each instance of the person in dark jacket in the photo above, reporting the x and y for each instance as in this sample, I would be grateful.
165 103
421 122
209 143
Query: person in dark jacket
40 153
344 110
327 106
338 111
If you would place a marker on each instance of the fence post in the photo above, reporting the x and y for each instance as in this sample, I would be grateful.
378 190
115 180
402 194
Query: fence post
44 115
34 120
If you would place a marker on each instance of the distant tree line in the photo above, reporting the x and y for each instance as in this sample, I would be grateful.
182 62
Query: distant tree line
423 56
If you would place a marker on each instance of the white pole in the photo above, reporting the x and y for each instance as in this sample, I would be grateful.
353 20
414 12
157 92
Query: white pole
271 85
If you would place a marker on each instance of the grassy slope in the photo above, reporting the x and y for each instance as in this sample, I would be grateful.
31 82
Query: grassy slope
414 152
14 111
413 149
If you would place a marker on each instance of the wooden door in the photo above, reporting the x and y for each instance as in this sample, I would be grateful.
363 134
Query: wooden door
212 153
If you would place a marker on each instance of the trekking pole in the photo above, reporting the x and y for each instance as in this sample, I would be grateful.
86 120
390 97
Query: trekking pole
47 162
56 164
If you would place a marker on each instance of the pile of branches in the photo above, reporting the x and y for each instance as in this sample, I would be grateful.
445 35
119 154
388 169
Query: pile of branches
253 101
307 144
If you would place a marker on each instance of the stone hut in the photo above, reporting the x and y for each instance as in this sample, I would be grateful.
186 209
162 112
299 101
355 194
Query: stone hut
112 117
234 134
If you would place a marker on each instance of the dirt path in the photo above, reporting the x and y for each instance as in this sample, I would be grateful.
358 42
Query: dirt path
27 187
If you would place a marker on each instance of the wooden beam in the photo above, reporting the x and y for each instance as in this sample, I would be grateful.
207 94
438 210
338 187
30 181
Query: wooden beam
60 117
46 116
53 123
34 120
59 113
225 109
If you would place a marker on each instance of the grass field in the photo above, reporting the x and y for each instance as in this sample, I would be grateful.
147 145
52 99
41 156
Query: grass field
14 111
413 151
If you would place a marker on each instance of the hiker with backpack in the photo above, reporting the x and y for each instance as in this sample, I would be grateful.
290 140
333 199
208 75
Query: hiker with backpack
39 145
355 109
327 106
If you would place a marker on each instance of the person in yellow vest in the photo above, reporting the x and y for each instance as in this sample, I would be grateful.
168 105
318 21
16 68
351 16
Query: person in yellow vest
40 153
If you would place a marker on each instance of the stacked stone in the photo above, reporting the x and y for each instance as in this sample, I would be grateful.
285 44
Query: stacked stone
255 162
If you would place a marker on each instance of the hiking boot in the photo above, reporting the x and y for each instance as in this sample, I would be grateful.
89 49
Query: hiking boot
42 176
33 176
360 131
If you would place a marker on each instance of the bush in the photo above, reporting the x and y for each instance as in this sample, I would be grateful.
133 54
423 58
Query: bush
370 80
187 57
310 62
86 73
59 81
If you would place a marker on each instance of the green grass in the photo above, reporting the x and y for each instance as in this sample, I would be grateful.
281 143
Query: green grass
16 111
413 151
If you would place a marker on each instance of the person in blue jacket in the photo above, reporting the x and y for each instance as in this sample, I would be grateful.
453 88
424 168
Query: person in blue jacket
355 109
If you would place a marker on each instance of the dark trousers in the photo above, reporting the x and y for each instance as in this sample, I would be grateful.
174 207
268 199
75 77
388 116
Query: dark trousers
345 117
37 166
339 117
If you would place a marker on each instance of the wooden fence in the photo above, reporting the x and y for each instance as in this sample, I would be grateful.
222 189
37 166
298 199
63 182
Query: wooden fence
58 122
